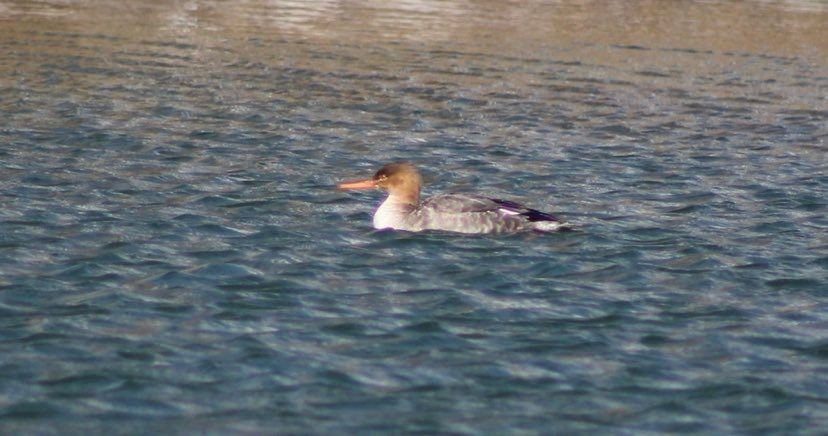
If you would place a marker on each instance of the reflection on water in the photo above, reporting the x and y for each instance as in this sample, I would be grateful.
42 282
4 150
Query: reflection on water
773 27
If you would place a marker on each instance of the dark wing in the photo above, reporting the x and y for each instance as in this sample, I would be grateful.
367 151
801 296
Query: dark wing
459 203
531 215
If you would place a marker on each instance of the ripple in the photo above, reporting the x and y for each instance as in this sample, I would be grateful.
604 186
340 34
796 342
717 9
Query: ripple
175 255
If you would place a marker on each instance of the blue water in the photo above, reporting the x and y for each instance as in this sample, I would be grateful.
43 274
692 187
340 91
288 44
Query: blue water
175 257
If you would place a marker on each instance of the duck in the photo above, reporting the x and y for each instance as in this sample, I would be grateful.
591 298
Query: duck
403 210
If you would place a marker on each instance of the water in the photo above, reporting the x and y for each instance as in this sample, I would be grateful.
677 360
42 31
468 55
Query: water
175 257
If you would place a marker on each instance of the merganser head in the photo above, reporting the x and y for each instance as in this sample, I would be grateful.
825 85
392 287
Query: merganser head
401 180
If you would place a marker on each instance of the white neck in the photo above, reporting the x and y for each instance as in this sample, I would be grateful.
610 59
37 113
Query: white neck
392 213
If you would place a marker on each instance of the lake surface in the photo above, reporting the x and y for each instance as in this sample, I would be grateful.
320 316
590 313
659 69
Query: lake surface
175 258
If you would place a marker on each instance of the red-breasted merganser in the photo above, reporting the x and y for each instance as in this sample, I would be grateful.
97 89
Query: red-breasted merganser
402 210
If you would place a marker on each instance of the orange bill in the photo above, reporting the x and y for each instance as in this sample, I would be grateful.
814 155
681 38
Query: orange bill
358 184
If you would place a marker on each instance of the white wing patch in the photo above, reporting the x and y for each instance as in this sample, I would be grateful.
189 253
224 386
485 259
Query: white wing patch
508 212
